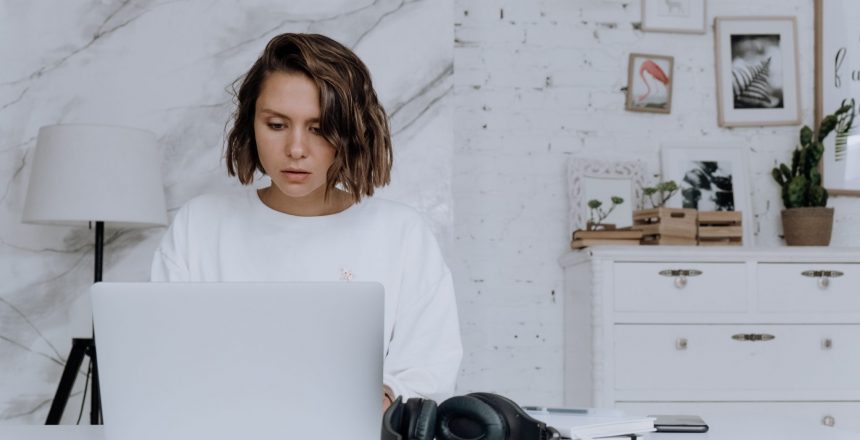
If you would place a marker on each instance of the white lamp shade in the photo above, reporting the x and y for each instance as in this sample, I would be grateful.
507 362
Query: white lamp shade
84 173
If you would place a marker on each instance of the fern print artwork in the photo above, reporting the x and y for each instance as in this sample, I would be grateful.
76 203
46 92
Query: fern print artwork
757 71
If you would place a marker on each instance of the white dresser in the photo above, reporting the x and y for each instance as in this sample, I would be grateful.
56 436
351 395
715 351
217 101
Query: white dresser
716 331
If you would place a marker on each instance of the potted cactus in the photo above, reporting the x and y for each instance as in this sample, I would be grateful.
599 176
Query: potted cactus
806 220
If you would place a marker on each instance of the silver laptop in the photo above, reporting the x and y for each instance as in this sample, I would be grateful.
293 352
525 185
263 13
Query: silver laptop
239 360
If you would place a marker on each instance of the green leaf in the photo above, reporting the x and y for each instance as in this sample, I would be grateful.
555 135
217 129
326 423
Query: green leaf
798 189
805 135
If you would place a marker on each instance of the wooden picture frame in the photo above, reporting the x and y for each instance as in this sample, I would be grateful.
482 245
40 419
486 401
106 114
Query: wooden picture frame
649 83
681 16
837 59
757 71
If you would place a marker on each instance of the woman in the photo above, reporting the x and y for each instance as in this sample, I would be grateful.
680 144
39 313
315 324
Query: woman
308 117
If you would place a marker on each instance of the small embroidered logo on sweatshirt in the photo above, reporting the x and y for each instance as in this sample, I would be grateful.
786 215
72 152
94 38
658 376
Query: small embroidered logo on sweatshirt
345 274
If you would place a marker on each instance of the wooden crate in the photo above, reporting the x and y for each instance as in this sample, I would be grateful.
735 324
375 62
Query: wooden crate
720 228
666 226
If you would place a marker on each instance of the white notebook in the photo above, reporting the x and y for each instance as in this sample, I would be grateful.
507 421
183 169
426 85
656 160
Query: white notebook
592 424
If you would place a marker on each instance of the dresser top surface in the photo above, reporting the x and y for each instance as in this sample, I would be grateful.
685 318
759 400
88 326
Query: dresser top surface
783 254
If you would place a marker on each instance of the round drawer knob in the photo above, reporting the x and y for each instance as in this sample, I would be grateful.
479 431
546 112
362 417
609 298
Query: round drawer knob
823 282
681 282
828 421
681 344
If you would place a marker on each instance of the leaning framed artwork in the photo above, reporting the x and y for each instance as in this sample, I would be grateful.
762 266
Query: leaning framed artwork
710 179
684 16
601 179
837 82
649 83
757 71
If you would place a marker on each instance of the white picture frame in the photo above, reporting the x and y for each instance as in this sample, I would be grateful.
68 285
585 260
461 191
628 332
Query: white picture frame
837 52
592 178
757 71
682 16
704 171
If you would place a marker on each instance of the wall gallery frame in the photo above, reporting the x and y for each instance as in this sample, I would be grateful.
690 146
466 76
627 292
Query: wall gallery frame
684 16
757 71
601 179
837 61
710 179
649 83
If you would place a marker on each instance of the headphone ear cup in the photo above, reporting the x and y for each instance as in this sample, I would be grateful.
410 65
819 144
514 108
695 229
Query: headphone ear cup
392 420
420 419
469 418
520 424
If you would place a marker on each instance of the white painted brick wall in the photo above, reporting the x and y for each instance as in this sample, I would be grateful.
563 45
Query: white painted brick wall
539 81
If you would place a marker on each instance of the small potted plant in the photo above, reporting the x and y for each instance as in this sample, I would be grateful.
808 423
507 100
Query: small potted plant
806 219
597 214
662 225
598 233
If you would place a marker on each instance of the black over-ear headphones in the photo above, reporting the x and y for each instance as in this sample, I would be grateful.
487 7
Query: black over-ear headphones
476 416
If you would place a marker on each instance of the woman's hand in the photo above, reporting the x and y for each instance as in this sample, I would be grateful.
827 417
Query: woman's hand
387 397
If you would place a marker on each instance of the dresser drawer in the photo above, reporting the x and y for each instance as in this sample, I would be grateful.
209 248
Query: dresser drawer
843 415
710 360
792 287
667 287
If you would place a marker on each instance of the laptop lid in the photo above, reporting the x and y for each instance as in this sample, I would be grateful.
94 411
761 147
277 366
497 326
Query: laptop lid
239 360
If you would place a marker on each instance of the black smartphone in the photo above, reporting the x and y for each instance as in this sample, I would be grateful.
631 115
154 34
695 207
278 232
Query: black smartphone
679 423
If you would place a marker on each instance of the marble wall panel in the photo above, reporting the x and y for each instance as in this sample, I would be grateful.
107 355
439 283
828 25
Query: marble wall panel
167 66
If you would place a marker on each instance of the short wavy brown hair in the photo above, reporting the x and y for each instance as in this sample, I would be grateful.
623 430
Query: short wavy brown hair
351 119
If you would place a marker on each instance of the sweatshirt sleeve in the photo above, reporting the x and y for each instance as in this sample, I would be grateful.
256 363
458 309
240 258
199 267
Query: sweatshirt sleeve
168 263
425 350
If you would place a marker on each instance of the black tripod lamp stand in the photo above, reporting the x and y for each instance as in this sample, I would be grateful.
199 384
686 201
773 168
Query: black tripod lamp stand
85 174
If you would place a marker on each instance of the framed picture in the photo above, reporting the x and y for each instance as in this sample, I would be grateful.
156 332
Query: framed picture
837 61
710 179
757 71
601 179
686 16
649 83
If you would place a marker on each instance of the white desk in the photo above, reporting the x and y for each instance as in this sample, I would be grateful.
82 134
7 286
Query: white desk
721 429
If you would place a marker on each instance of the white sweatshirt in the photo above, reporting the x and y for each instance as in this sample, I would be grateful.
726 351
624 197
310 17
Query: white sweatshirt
236 237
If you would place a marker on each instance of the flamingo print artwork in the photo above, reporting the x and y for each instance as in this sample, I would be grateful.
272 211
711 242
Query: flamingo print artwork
655 72
649 83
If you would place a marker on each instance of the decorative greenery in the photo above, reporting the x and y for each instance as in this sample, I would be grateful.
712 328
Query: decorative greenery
801 183
663 192
751 86
844 125
708 177
597 214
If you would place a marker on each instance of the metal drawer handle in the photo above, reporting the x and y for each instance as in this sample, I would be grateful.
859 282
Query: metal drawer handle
680 275
828 421
823 276
753 337
681 344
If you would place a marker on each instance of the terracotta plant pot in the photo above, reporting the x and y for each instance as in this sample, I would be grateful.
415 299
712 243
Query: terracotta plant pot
807 226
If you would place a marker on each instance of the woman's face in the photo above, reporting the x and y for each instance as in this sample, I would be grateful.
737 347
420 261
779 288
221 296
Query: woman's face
286 126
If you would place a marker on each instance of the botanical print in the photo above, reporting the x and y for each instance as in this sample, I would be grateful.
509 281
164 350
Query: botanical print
846 133
707 186
757 79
